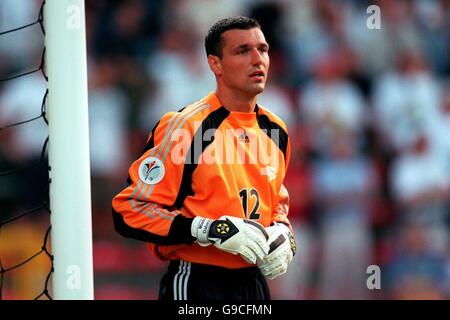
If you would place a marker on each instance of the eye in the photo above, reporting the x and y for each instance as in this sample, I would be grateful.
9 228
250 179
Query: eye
242 51
263 49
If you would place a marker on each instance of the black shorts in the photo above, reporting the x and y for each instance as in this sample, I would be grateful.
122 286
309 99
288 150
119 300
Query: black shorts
198 282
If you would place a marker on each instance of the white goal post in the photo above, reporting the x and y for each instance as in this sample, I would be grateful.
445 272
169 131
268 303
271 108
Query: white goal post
70 191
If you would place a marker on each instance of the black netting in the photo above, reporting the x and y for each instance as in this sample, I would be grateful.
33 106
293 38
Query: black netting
11 263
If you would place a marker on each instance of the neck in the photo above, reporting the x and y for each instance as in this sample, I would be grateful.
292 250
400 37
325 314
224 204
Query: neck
236 102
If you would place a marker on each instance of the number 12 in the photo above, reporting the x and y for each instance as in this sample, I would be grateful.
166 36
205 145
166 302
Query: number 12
244 194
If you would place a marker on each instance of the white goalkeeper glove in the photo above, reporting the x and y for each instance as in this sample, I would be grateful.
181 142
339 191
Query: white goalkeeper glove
234 235
282 250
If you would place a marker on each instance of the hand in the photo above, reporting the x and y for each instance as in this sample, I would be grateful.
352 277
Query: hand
234 235
282 250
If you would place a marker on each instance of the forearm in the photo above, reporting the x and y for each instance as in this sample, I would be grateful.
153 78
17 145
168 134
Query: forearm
179 231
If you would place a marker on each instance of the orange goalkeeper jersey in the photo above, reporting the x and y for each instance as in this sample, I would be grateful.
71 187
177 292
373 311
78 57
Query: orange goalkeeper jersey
205 161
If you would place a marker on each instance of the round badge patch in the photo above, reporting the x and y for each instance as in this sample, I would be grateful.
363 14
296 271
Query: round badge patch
151 170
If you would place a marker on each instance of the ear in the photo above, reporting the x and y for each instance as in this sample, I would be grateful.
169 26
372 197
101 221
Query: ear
215 64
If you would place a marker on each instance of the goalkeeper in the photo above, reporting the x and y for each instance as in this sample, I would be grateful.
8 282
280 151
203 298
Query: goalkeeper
215 209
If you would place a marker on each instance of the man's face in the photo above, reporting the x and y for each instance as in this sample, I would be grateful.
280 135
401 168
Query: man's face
245 61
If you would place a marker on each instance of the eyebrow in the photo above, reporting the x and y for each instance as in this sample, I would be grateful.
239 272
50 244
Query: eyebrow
246 45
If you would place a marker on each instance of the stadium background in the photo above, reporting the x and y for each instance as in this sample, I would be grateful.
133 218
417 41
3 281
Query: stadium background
368 113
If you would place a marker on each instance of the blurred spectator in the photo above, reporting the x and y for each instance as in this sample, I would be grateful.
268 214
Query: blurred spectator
433 20
379 49
108 114
180 74
122 28
308 37
421 183
330 105
193 11
440 133
345 183
415 272
406 102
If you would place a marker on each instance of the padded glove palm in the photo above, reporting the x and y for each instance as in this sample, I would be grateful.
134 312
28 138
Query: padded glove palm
282 249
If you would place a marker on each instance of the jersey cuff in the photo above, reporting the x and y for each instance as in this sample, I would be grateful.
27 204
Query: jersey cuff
180 230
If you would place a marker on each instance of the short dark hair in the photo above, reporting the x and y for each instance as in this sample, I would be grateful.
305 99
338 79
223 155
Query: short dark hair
214 40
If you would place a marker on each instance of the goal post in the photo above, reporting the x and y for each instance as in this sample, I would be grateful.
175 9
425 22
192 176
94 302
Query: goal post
67 114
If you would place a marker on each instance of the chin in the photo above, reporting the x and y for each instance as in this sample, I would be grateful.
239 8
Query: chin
257 89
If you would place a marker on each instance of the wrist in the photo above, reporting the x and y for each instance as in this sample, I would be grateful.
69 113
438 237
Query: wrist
200 229
281 228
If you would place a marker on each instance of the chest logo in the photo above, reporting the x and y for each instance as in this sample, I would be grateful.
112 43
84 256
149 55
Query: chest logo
244 138
151 170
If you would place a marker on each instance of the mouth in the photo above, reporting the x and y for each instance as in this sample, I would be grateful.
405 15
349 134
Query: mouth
257 75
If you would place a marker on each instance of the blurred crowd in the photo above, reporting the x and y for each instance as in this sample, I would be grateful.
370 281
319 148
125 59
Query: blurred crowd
368 113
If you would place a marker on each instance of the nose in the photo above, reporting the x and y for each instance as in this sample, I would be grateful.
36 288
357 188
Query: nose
257 58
